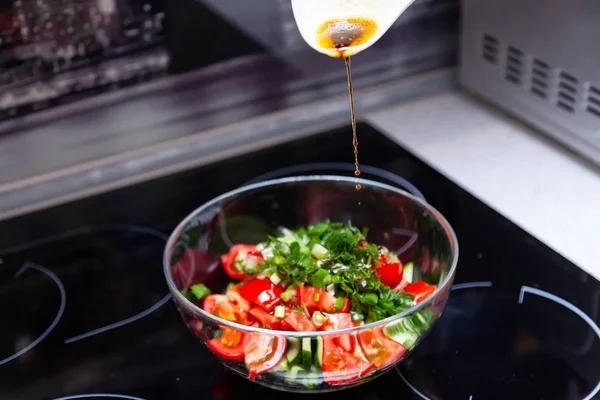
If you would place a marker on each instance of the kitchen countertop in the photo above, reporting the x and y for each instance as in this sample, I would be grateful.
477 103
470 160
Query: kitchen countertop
533 181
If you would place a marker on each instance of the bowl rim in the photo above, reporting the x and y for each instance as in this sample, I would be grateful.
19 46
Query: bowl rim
308 178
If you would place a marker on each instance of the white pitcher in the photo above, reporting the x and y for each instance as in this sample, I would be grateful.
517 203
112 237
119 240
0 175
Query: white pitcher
311 15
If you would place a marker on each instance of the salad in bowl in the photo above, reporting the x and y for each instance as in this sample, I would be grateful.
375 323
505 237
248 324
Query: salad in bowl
317 306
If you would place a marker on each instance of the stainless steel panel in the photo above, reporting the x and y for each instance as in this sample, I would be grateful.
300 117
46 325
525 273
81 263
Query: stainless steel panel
538 59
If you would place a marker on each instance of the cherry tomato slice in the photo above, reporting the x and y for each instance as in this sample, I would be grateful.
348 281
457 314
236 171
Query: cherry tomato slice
262 352
421 290
378 349
262 292
390 274
309 297
230 345
265 318
299 322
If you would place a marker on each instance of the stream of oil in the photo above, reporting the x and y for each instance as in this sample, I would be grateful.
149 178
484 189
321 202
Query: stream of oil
343 35
352 119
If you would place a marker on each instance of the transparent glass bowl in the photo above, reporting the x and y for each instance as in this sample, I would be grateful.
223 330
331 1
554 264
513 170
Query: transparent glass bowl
396 219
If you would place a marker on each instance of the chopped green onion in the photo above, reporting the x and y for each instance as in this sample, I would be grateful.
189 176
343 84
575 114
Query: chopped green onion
279 312
275 279
317 296
319 252
200 291
288 295
318 319
339 303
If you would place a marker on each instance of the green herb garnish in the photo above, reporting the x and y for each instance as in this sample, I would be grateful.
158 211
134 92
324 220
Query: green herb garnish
200 291
335 253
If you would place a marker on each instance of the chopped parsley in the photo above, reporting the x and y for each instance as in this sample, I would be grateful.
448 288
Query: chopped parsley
333 253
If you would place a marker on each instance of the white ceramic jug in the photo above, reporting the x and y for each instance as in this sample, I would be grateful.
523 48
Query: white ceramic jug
372 18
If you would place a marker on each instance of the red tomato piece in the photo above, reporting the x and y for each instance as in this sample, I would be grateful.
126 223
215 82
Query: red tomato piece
338 321
233 292
346 307
378 349
309 297
265 318
327 302
339 366
285 326
299 322
230 345
239 252
262 352
341 321
390 274
262 292
211 301
420 290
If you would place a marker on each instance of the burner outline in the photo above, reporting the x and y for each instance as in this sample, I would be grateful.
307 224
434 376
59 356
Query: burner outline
61 309
127 321
300 168
471 285
88 230
458 286
91 395
404 232
571 307
533 291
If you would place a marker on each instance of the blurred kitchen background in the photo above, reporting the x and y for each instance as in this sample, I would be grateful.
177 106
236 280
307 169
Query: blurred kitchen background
54 52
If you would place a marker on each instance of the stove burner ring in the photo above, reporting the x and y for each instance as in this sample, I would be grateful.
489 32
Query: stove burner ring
524 289
338 166
61 309
69 234
93 395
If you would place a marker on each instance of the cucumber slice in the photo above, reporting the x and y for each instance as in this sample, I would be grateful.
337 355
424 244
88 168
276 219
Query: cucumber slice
318 358
293 374
410 273
282 365
403 332
293 354
306 353
314 377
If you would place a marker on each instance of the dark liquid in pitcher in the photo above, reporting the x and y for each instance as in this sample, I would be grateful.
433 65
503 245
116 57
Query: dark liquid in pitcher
342 35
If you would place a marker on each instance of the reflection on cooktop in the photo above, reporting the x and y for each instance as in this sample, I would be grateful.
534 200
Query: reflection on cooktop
493 344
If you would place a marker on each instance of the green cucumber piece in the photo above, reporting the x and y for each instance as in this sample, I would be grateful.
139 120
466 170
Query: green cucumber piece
306 353
410 273
314 377
282 365
293 355
292 375
318 358
402 331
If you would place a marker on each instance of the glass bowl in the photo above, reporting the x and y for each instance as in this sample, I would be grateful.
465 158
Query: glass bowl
310 361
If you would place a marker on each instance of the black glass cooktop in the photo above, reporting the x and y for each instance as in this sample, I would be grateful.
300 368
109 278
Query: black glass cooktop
85 313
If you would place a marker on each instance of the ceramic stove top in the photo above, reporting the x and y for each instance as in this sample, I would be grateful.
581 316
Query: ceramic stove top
86 312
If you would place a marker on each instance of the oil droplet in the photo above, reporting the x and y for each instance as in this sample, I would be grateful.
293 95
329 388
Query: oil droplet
357 172
358 186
